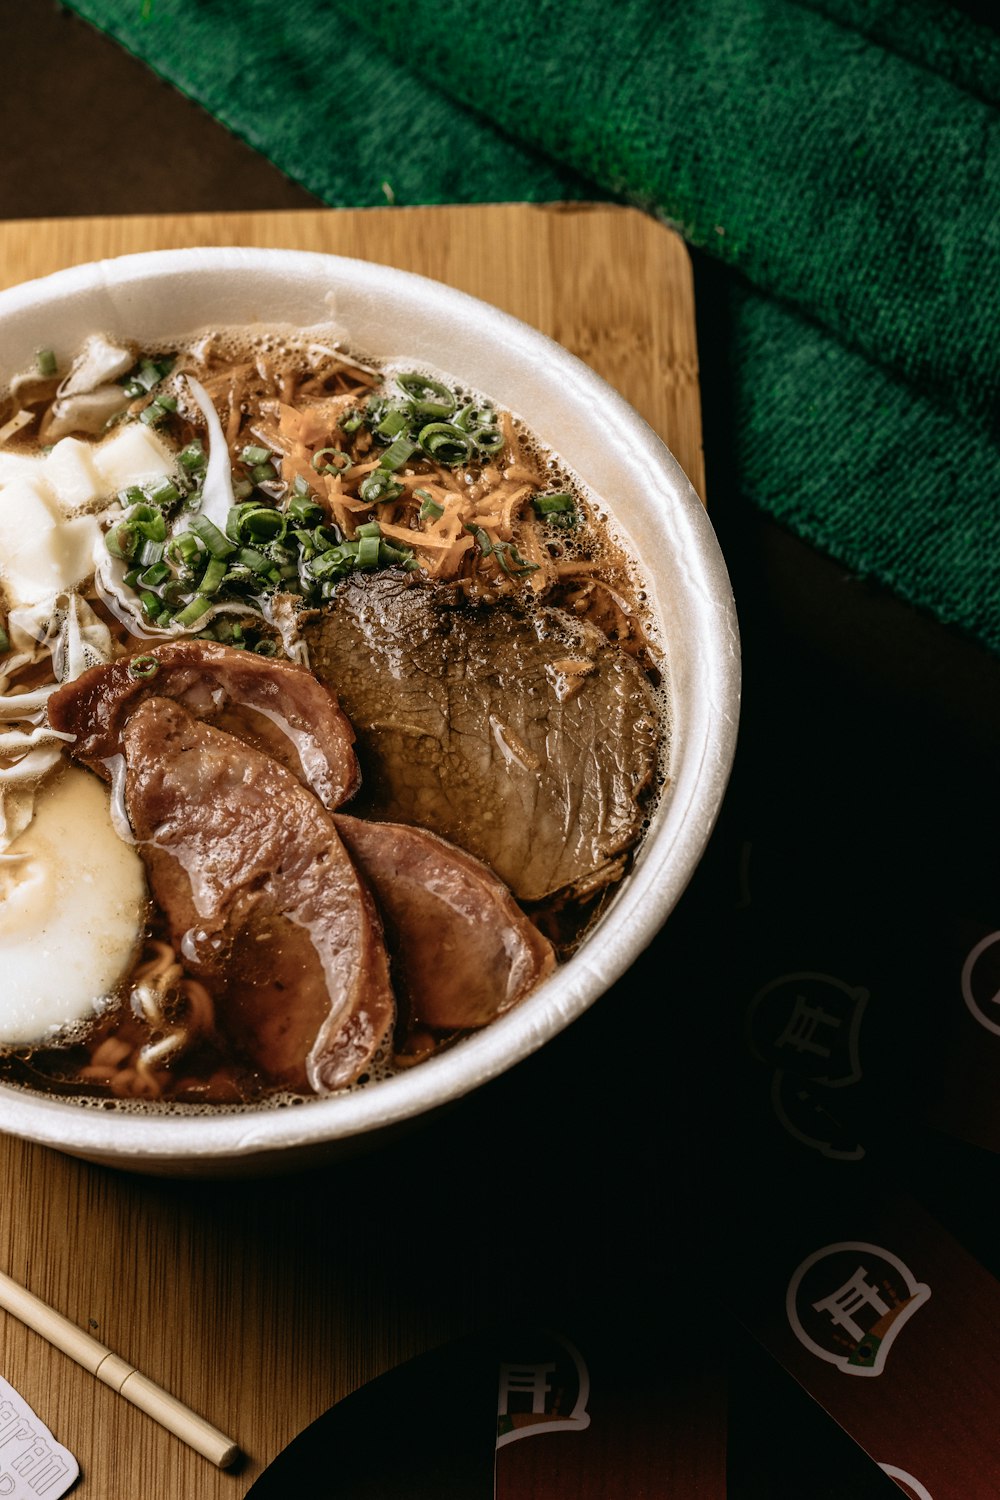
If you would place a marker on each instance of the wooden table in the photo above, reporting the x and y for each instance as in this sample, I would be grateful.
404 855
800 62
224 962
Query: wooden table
260 1305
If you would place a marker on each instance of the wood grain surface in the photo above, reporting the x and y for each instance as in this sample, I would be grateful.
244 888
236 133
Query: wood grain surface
259 1305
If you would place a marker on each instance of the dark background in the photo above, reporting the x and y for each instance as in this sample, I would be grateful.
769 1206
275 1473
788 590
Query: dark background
859 839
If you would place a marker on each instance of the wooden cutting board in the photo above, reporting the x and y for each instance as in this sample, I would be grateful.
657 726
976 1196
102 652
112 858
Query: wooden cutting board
260 1306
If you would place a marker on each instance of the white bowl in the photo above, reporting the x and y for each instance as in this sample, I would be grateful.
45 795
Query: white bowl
389 314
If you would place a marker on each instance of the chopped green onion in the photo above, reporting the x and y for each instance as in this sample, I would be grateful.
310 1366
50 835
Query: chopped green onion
143 523
249 557
338 464
429 397
255 455
149 373
193 456
121 541
193 611
473 416
351 422
505 551
174 593
488 440
549 505
399 450
557 510
151 604
45 362
251 522
149 522
263 473
153 576
150 554
156 411
165 493
143 667
480 422
242 489
446 443
379 486
368 552
482 540
334 563
395 421
265 648
217 543
228 630
390 556
429 510
182 550
303 508
213 576
370 528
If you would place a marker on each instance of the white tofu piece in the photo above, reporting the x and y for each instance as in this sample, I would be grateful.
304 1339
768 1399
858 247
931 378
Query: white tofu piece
71 474
132 455
19 466
26 510
48 559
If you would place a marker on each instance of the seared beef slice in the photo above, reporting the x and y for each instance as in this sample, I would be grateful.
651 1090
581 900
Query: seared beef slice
463 951
261 897
274 705
526 738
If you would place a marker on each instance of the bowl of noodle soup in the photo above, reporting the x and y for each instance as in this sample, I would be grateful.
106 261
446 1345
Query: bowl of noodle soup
427 516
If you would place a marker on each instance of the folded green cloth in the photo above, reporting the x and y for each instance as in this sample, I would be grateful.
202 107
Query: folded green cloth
842 158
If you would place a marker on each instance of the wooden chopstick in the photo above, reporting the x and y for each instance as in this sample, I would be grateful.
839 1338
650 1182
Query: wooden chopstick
118 1374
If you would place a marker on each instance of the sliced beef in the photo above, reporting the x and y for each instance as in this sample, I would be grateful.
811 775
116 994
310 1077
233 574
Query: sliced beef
272 704
262 899
526 738
463 951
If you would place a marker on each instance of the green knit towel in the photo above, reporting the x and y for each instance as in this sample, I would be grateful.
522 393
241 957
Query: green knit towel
842 158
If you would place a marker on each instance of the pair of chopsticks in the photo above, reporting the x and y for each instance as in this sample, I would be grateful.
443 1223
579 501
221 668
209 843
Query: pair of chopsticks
118 1374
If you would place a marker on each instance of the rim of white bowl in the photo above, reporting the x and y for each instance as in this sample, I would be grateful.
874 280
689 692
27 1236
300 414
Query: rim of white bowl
708 673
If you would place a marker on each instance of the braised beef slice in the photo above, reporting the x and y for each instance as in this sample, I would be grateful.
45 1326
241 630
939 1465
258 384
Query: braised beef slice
463 951
271 704
262 898
526 738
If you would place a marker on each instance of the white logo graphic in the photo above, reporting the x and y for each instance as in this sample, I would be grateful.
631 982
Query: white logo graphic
848 1302
976 981
913 1487
547 1395
809 1022
806 1026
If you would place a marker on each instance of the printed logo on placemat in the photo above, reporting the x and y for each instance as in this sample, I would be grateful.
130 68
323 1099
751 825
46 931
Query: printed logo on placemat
809 1024
907 1483
546 1391
981 982
807 1027
800 1107
848 1303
